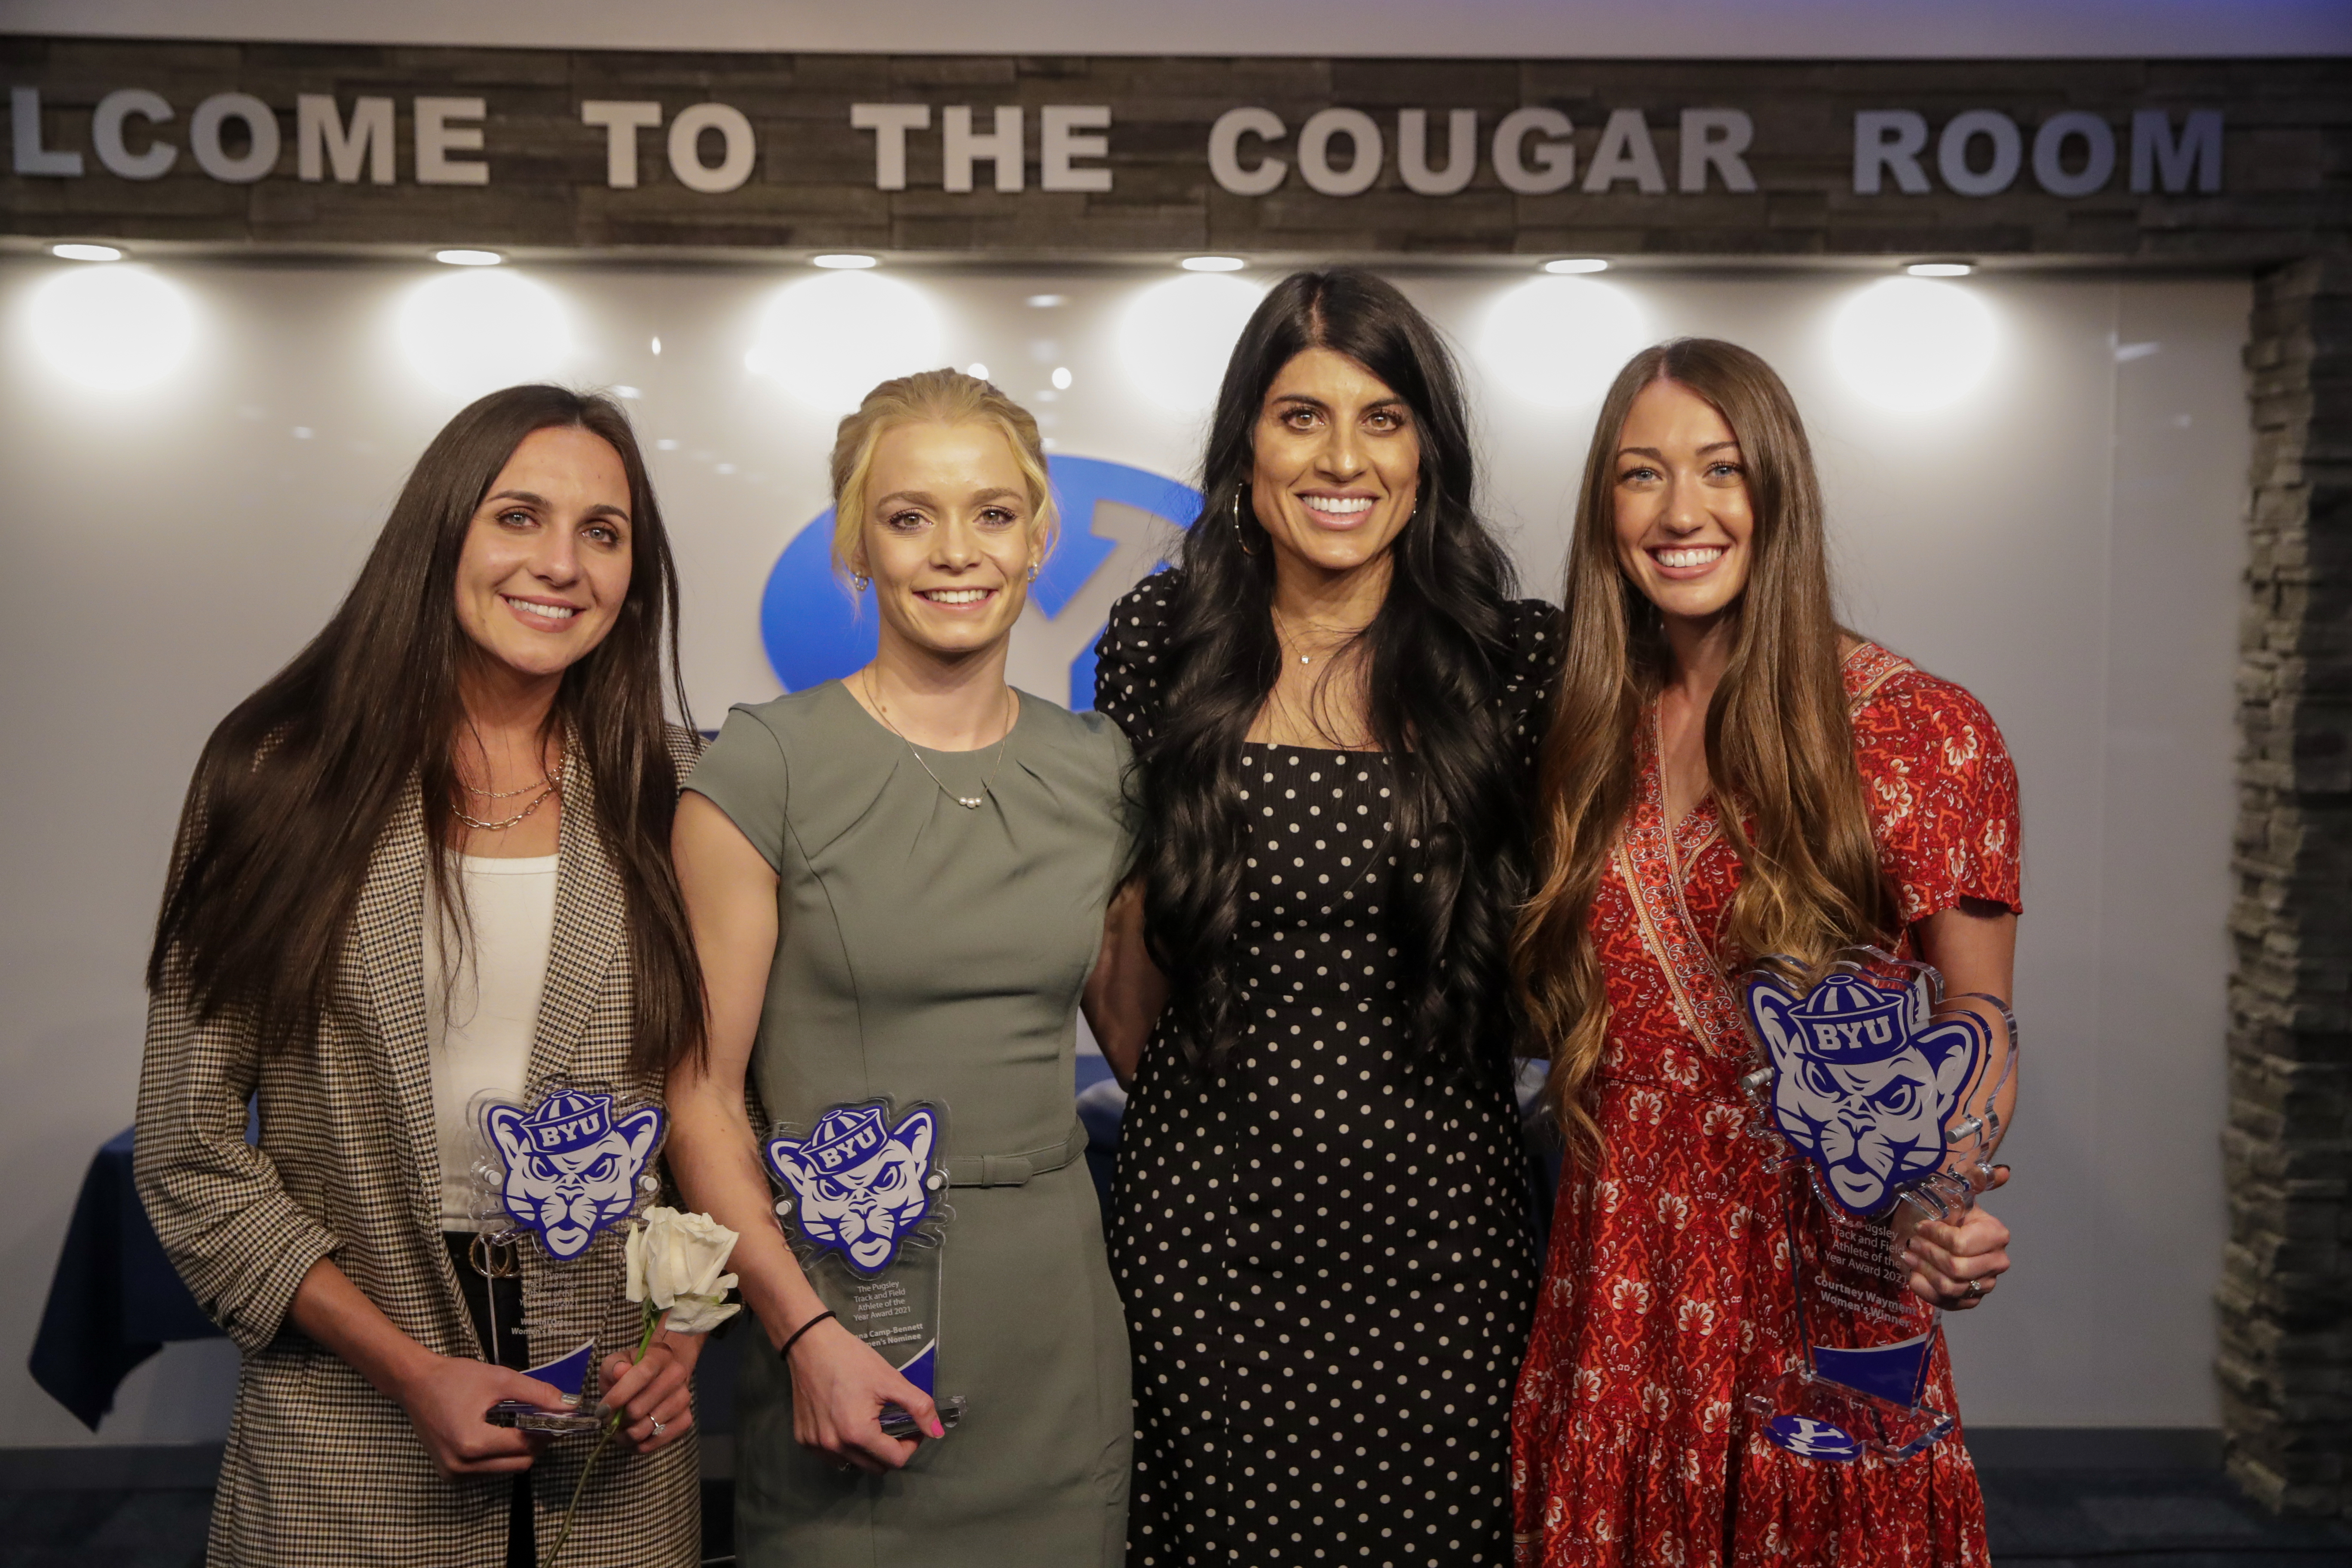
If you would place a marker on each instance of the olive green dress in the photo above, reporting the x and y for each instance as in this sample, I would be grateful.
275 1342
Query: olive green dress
930 951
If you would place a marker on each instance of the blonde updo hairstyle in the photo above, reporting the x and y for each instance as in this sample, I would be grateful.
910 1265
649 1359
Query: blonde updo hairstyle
935 397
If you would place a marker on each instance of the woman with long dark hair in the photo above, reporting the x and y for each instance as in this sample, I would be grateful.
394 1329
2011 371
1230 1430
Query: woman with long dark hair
1730 775
1319 1227
426 862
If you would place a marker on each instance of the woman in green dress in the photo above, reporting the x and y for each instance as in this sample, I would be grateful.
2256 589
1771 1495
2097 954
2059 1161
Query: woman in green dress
900 885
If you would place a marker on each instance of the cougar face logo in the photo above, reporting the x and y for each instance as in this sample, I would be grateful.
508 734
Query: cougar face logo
862 1186
1862 1083
571 1166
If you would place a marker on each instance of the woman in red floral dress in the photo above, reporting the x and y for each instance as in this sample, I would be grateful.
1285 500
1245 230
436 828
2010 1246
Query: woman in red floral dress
1729 774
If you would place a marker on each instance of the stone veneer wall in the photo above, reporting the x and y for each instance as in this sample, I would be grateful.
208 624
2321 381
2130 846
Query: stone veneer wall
2285 1358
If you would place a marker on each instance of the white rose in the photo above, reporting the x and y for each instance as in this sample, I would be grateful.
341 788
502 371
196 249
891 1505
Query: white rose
679 1261
700 1314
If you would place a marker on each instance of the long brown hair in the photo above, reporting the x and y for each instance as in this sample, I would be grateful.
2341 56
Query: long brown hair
296 784
1780 748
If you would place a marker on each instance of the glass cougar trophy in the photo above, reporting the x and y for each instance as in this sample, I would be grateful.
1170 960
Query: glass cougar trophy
865 1210
558 1170
1882 1091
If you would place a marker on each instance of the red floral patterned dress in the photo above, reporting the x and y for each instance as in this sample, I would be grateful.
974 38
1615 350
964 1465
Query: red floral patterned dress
1666 1297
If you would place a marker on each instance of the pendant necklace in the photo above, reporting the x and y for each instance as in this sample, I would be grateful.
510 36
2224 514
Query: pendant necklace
968 802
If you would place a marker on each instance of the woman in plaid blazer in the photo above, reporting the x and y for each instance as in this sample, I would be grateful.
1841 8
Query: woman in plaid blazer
489 697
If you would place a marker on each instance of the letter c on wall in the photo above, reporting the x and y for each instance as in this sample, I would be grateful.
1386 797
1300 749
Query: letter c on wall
106 135
1224 150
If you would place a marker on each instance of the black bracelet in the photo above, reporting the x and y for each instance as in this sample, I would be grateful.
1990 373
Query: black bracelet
785 1355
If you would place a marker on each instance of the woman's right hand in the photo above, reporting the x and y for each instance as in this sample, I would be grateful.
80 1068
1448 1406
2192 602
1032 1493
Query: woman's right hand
839 1388
445 1400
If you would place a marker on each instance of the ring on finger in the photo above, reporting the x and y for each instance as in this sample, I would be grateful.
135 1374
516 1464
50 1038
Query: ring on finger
658 1426
1974 1289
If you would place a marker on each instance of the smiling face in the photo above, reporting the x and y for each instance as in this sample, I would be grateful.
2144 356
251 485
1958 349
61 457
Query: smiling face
1337 467
545 567
1685 523
949 536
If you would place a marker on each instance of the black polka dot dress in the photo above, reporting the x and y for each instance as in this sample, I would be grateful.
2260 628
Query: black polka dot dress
1322 1247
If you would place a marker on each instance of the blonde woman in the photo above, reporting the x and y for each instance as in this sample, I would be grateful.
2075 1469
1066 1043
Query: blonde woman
1729 773
899 885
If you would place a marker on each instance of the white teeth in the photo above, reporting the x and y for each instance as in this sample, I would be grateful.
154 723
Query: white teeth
956 595
1688 557
1338 506
545 612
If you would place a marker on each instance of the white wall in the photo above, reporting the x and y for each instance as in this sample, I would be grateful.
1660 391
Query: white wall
2065 540
1705 29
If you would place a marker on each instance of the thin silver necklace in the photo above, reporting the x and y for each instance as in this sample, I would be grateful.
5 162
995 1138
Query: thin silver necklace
968 802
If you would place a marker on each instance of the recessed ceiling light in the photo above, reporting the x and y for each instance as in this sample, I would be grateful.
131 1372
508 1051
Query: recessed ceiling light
845 261
1578 264
467 258
1213 264
1940 269
1046 302
86 252
976 369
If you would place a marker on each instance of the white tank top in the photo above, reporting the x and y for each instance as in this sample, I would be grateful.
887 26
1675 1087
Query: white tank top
480 1026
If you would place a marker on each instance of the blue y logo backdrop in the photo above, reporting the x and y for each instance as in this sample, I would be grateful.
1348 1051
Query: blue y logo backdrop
815 629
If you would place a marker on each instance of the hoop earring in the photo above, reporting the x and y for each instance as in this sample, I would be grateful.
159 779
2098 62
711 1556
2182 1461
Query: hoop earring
862 581
1033 572
1239 535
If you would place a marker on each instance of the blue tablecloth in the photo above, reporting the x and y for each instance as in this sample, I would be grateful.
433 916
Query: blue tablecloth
115 1298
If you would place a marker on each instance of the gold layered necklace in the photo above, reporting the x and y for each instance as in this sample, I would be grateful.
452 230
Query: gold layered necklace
968 802
548 784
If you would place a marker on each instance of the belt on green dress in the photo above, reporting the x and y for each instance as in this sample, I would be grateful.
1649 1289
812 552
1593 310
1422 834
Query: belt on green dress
1014 1170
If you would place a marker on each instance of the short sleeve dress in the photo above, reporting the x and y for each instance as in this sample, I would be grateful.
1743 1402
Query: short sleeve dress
1667 1294
930 951
1322 1245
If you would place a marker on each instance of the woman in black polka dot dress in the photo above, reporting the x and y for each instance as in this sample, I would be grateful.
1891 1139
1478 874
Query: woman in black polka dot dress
1320 1226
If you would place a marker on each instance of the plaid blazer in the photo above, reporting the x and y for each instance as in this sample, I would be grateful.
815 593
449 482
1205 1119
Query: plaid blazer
321 1470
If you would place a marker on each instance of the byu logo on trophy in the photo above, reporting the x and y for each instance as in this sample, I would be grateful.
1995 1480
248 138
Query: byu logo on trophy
571 1166
864 1187
1863 1084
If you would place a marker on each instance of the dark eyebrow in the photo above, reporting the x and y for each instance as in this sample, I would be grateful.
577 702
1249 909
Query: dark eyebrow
1661 457
1393 400
530 498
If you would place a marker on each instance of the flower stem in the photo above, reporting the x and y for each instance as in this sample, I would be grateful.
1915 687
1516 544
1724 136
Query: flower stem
612 1425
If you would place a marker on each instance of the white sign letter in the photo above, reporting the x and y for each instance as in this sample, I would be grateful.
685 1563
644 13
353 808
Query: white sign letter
1224 150
960 149
1889 140
890 122
621 119
1625 152
24 122
1058 141
204 138
436 139
1555 167
1315 152
320 139
1952 153
2154 152
1412 152
2049 142
1717 137
106 134
686 149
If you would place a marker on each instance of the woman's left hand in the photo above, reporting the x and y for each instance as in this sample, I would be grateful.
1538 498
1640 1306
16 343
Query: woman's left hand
1956 1264
656 1395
